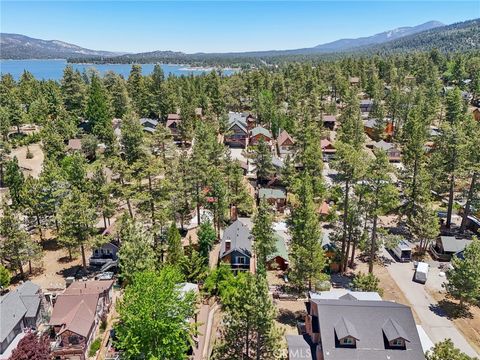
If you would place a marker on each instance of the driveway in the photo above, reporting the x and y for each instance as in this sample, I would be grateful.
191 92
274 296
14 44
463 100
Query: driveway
433 320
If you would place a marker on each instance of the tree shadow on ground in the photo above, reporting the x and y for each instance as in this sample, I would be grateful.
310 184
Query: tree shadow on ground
288 317
451 310
66 259
75 271
50 245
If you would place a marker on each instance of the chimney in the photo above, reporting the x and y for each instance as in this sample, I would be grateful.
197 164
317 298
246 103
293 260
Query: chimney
233 213
228 244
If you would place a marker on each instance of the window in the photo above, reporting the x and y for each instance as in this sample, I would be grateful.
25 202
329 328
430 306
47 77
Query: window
398 342
347 341
73 340
241 260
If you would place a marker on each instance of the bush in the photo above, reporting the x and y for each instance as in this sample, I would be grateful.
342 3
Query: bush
29 154
4 276
94 347
103 326
367 282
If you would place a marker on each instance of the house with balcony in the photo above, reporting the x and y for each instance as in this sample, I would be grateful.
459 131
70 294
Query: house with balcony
76 315
236 247
237 131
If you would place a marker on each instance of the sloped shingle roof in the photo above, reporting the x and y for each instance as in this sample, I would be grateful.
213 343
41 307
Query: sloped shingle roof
240 237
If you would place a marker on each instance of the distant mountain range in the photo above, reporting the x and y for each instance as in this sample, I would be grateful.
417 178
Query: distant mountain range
462 36
16 46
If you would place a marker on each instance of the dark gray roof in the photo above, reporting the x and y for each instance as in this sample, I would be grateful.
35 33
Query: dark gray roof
298 348
452 244
240 237
237 118
144 121
368 318
12 311
393 330
28 288
344 328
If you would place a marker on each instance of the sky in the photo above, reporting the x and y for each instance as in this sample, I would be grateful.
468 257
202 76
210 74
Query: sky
219 26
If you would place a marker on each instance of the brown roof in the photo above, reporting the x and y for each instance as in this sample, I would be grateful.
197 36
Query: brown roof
284 136
354 79
75 144
323 209
191 237
89 287
329 118
170 122
75 313
173 117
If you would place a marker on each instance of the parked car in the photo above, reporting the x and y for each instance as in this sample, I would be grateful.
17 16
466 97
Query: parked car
421 272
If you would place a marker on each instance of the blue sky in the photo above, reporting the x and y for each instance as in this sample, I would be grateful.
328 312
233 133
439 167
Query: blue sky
219 26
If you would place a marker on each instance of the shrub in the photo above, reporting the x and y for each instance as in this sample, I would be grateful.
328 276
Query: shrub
368 282
29 154
4 276
94 347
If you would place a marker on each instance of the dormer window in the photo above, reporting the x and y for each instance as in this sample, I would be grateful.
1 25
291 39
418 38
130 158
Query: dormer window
347 341
397 342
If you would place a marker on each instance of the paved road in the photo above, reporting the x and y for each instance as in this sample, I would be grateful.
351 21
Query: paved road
436 325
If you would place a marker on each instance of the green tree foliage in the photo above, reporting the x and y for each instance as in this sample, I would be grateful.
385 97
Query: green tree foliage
366 282
153 306
262 159
16 246
265 242
73 91
250 331
137 90
132 139
98 111
463 281
14 180
136 253
206 238
308 258
4 277
77 218
174 245
445 350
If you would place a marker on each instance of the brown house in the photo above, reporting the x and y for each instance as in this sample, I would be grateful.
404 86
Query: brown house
328 150
276 197
285 143
354 80
329 121
476 114
259 132
237 132
370 127
393 153
173 122
76 315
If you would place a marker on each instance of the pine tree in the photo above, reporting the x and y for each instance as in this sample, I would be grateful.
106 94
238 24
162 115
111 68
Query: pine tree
98 111
250 331
73 91
381 195
263 161
117 89
265 242
14 180
308 258
137 90
206 238
174 245
132 139
351 130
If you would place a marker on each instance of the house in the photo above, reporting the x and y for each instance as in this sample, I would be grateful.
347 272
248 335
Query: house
336 328
394 154
344 294
259 132
279 258
104 254
285 143
276 197
21 309
74 145
476 114
236 246
173 124
149 125
76 315
370 127
366 105
237 132
199 113
324 209
446 246
328 150
354 80
329 121
299 347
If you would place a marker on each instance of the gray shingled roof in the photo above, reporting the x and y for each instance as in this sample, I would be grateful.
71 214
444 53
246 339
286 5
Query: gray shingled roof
298 348
272 193
393 330
344 328
383 145
234 117
12 311
240 237
371 343
452 244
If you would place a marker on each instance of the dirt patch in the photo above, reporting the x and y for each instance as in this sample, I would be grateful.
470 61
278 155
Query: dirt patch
289 313
467 321
32 166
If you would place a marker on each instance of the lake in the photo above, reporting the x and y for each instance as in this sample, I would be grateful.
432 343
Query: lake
53 69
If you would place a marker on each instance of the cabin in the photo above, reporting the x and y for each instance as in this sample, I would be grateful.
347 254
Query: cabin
173 124
366 105
148 124
237 132
324 210
21 309
275 197
354 80
108 252
285 143
328 150
447 246
329 121
258 133
278 260
370 127
476 114
236 247
76 315
393 153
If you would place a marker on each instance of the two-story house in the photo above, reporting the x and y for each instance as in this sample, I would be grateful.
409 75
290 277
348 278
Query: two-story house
236 246
237 131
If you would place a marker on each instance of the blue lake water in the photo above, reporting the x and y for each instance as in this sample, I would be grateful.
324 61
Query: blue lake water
53 69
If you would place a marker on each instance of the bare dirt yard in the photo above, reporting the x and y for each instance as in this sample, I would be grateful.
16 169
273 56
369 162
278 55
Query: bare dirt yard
467 321
31 166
